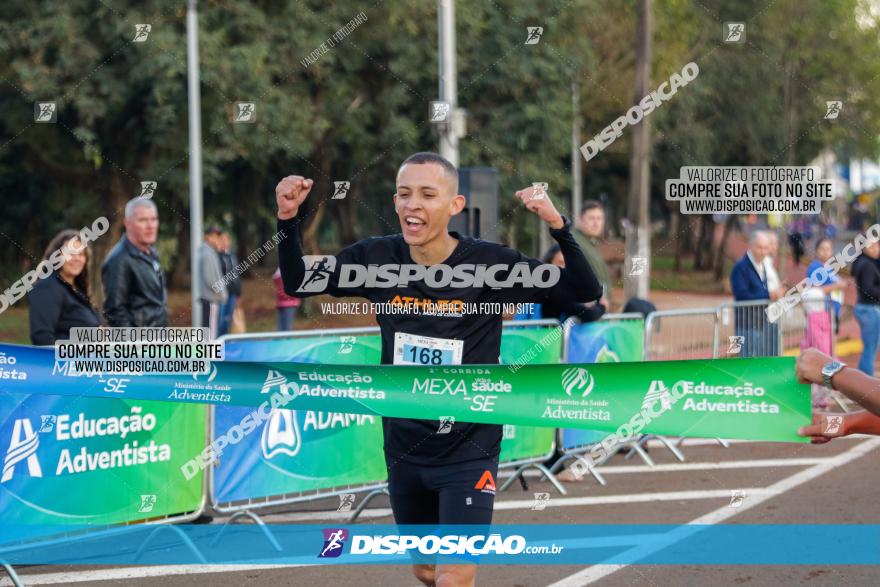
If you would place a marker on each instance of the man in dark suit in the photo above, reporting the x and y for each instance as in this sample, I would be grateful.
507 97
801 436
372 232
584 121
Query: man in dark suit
749 283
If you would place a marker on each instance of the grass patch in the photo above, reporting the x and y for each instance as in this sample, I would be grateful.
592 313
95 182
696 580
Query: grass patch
664 277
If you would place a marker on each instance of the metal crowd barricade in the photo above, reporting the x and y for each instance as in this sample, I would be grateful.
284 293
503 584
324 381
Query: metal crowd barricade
679 335
746 331
245 508
534 462
576 453
164 523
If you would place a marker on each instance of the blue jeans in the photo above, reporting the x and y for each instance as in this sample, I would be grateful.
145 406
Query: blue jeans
285 318
760 342
226 315
868 317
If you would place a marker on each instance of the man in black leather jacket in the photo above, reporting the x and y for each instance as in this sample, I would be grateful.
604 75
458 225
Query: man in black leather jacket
134 284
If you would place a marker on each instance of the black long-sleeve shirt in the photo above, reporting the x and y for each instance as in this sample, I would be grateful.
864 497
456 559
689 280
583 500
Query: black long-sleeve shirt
55 308
458 338
867 276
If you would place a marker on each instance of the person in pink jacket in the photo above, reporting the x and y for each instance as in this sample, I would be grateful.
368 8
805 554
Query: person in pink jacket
285 304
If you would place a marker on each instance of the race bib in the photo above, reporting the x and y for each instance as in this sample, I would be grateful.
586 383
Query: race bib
410 349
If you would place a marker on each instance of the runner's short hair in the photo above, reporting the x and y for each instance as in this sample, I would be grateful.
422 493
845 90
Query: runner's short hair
428 157
591 205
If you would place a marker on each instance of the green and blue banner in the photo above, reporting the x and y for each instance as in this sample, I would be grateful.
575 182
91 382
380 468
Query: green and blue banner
84 460
297 451
605 341
755 399
528 345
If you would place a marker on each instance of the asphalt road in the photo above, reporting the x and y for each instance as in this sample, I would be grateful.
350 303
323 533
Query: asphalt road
780 484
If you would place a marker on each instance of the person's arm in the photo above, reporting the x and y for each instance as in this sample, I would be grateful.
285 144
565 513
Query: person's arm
828 426
212 275
583 312
45 303
115 277
857 386
290 193
738 284
868 280
577 274
577 281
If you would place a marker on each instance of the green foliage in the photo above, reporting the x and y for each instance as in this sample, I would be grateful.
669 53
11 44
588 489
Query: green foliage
362 107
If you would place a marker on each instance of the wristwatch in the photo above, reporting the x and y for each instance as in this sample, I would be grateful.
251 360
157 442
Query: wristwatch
831 369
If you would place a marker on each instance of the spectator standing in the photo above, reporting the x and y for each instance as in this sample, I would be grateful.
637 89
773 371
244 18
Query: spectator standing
773 281
285 304
61 301
134 283
228 262
832 285
591 229
797 232
748 280
212 288
583 312
867 309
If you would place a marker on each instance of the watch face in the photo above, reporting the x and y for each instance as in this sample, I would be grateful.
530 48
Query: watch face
831 368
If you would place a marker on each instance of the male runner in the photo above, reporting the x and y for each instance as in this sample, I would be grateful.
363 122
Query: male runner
437 473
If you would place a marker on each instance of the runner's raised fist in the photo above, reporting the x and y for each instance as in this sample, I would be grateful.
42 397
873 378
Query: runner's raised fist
290 193
537 200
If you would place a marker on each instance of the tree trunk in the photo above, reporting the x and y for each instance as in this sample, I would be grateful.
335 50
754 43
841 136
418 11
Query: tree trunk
699 251
676 232
120 191
346 220
721 252
179 274
638 235
315 212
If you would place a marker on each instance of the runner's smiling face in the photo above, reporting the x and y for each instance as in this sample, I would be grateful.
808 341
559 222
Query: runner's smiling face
426 199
